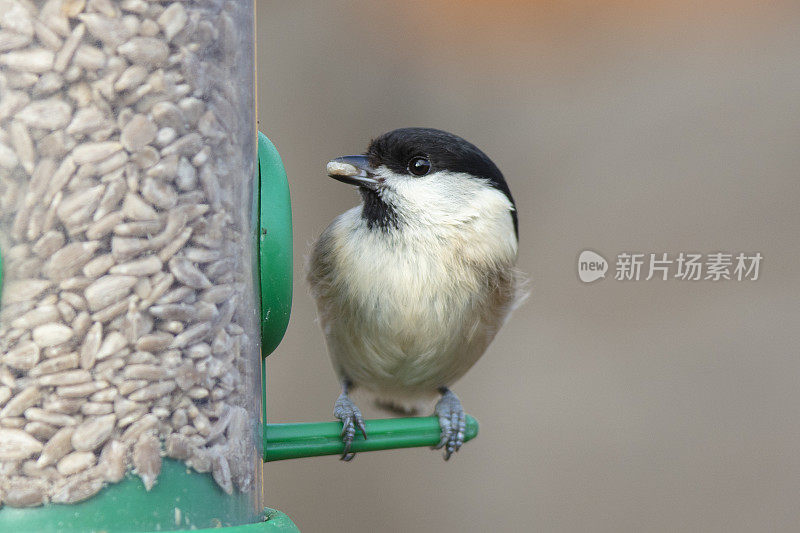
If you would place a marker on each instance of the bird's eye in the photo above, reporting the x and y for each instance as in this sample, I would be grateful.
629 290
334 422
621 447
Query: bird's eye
419 166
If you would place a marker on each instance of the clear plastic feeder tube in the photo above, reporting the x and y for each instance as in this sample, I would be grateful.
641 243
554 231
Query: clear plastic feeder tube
129 333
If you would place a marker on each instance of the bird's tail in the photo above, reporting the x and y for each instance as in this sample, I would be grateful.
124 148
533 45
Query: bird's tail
396 407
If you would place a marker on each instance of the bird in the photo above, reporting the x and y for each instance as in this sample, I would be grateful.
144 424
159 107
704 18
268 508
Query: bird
413 284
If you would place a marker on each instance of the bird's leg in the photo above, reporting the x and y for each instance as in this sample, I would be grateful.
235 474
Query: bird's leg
345 410
452 421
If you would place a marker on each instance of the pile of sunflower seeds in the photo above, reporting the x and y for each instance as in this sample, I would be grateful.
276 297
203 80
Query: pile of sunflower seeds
127 323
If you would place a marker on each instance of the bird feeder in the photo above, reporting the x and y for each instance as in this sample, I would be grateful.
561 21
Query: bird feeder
146 271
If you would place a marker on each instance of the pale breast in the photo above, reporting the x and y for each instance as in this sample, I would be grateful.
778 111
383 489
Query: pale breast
398 315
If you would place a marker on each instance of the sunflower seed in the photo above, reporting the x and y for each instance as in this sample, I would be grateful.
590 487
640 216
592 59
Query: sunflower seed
141 267
189 144
131 78
66 312
36 316
98 266
107 290
40 431
173 247
142 425
16 445
106 395
96 408
112 311
123 406
10 40
5 394
111 167
60 178
154 342
166 167
89 58
75 462
172 20
75 300
81 324
147 459
72 8
67 261
78 207
76 283
112 461
51 114
192 335
143 228
91 345
151 392
67 377
87 120
159 194
23 357
124 248
95 151
201 255
24 399
8 158
112 344
137 133
111 31
144 371
81 390
200 460
67 406
77 488
145 50
25 492
30 60
55 364
164 137
24 290
93 433
65 54
188 274
135 208
149 28
51 334
178 447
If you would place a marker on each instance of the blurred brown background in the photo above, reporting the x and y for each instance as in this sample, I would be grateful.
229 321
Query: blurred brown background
651 127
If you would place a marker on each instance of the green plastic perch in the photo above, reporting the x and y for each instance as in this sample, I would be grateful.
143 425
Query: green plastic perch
291 441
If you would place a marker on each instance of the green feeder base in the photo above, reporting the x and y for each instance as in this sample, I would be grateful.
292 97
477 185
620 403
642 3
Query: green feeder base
274 522
182 500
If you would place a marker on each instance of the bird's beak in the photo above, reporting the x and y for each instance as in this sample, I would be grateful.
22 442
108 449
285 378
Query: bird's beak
352 169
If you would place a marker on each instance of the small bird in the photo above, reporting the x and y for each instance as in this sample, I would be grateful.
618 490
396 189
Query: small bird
412 285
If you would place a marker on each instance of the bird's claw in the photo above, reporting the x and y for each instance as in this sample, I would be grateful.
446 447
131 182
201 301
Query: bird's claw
452 422
352 420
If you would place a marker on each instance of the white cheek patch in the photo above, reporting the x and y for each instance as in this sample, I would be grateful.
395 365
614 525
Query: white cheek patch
444 197
465 211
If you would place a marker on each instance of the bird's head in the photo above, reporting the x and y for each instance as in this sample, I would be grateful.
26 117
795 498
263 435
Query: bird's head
425 177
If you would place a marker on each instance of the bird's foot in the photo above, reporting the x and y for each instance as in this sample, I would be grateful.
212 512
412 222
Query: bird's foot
345 410
452 421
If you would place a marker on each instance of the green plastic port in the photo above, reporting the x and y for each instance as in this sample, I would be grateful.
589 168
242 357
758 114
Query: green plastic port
274 245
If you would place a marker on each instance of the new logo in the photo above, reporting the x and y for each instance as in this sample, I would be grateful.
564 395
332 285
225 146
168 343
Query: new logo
591 266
